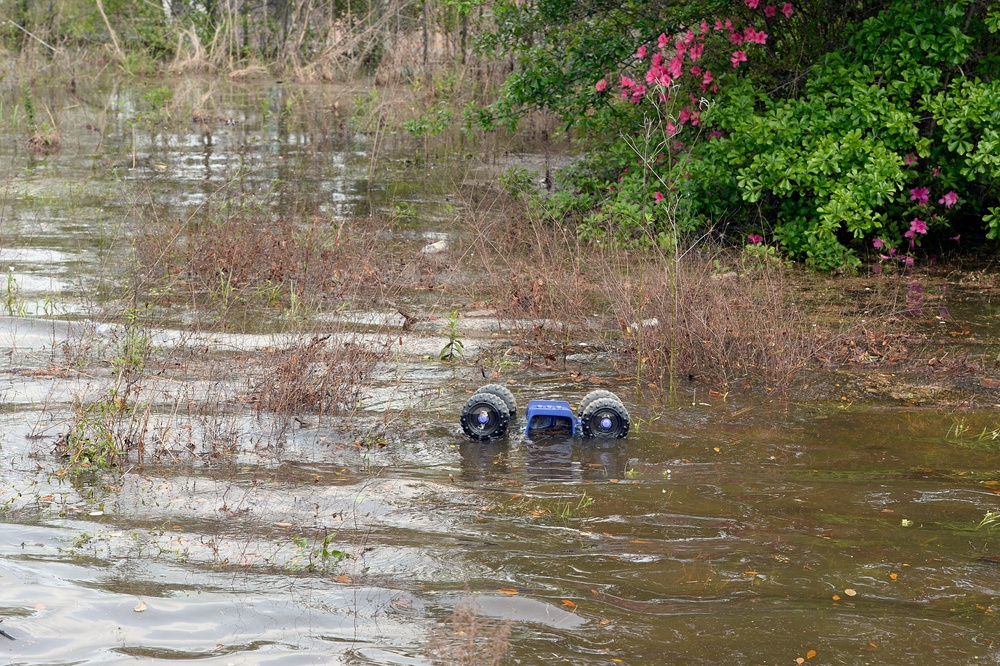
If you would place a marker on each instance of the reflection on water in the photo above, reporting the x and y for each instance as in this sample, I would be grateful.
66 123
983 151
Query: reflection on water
549 458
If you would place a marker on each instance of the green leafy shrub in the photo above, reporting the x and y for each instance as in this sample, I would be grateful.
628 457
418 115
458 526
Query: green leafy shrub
888 133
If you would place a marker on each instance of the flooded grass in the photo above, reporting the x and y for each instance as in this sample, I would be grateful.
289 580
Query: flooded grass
247 319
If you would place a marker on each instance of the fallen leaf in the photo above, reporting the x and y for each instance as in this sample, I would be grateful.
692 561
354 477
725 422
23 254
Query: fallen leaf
616 660
849 592
39 606
507 591
343 579
716 449
47 498
836 597
604 622
285 524
800 660
810 654
893 576
139 607
873 645
569 603
750 573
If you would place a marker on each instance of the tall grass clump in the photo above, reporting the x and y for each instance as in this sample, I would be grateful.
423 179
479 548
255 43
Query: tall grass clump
319 374
244 254
672 307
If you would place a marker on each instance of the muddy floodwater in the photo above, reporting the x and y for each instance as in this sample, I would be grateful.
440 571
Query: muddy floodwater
722 530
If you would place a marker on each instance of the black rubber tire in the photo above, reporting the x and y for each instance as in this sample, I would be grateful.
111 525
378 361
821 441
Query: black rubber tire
605 418
504 394
485 417
592 396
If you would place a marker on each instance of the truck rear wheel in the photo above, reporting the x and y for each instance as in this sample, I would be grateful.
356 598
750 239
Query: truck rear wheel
605 418
504 394
485 417
592 396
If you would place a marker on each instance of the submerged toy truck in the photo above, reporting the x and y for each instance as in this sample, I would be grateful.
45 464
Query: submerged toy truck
488 413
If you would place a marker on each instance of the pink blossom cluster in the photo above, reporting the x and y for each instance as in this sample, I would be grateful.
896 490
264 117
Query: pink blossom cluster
668 63
676 56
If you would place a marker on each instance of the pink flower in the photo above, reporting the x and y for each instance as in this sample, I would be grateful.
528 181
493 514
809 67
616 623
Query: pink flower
957 238
714 134
641 53
770 11
878 243
736 37
684 116
657 59
787 10
718 25
671 130
755 36
706 79
662 41
695 52
920 195
738 57
704 27
949 199
918 226
935 172
675 67
696 71
755 239
637 94
909 262
910 159
627 82
657 197
752 3
601 85
688 38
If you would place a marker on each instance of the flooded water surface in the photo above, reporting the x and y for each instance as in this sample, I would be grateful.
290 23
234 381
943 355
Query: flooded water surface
716 532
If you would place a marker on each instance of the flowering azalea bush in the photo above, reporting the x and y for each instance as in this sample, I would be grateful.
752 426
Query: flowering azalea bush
893 138
892 134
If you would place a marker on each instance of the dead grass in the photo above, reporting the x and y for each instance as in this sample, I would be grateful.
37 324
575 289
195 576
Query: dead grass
240 252
729 317
538 279
316 375
45 143
470 639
